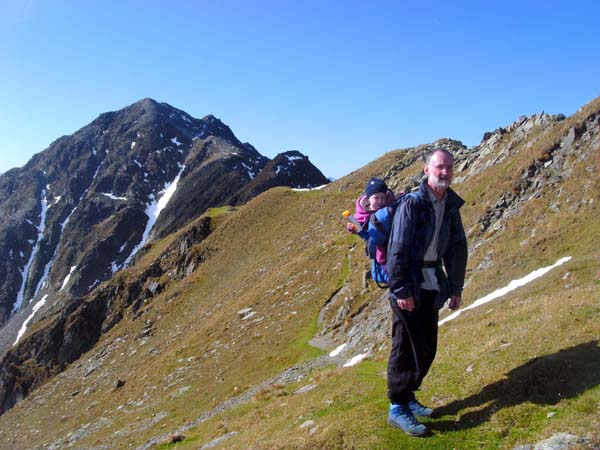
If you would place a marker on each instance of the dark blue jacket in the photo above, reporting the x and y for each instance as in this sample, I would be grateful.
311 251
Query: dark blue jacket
412 231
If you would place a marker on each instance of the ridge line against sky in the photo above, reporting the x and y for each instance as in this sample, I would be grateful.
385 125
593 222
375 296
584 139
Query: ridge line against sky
341 81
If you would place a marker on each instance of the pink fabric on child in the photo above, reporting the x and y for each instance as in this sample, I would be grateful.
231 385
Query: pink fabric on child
362 216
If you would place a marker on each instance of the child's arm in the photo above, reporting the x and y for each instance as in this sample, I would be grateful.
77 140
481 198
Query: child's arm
364 234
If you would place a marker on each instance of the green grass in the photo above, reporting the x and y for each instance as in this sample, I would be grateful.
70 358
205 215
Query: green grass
354 394
217 215
301 350
345 270
490 407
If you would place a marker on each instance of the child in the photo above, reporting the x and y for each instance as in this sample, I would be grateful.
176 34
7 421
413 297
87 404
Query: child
376 196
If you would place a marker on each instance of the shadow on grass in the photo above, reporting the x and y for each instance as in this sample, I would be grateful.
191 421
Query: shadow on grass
545 381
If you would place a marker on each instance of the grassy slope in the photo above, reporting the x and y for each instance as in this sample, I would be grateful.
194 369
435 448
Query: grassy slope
194 357
501 369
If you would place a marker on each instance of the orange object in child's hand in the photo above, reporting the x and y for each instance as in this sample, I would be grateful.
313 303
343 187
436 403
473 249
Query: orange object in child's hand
356 227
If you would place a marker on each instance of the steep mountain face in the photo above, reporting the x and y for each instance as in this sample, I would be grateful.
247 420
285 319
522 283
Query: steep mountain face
164 337
81 210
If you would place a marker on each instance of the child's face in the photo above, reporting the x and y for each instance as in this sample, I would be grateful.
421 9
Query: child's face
377 201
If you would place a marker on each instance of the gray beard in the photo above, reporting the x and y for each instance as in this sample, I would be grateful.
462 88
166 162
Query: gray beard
441 184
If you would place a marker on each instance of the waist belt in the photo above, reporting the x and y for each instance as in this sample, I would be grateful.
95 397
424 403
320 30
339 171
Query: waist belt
428 264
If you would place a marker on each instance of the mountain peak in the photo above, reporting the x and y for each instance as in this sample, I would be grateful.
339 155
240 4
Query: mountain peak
151 107
113 176
296 153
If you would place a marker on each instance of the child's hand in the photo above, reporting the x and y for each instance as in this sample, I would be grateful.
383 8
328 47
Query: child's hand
350 228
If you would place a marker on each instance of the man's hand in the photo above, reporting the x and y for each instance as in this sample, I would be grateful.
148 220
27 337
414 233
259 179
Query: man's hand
406 304
454 302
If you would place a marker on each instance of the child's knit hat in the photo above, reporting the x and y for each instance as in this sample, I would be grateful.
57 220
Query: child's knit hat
374 186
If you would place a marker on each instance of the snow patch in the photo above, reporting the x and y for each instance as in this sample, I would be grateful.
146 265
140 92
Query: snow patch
154 209
133 144
338 350
318 188
44 277
251 172
66 280
36 307
356 359
176 142
34 250
505 290
112 196
66 221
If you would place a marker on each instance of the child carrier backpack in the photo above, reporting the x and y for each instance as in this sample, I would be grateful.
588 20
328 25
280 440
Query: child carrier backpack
379 228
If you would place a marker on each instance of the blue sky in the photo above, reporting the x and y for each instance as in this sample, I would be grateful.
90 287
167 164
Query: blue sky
342 81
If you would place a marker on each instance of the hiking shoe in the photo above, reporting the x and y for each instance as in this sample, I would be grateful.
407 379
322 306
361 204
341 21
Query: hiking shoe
400 416
420 410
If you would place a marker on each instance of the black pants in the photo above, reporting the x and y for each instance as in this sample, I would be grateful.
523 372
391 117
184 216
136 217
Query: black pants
408 367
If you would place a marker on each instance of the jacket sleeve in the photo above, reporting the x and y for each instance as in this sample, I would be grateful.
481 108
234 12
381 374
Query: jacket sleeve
398 265
364 233
455 257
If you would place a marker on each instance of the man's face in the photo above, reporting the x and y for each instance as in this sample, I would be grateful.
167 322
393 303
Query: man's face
439 170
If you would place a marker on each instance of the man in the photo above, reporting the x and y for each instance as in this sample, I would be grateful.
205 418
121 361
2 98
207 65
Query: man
426 264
